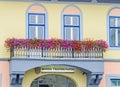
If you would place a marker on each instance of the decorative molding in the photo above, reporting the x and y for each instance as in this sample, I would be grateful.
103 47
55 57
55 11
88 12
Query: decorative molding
94 1
99 77
16 79
20 79
4 59
61 2
111 60
91 79
69 59
94 79
37 70
60 59
94 69
13 79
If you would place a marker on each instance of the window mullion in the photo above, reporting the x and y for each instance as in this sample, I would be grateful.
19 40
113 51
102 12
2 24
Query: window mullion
116 22
71 23
36 28
36 19
116 32
117 83
116 37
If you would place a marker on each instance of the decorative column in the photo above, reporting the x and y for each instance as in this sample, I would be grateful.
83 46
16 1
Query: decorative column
94 80
16 80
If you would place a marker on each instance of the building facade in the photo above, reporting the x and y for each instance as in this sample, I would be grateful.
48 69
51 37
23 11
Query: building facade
63 21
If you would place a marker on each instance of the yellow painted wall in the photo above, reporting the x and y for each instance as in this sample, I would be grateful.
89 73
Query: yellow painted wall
77 77
13 23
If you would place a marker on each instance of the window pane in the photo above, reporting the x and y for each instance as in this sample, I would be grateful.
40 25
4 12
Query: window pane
41 32
112 37
54 80
68 33
32 32
75 33
61 79
112 22
71 84
118 22
71 27
76 21
40 19
119 37
67 20
32 19
114 82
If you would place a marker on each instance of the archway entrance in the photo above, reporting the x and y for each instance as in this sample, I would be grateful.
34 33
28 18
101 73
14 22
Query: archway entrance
53 81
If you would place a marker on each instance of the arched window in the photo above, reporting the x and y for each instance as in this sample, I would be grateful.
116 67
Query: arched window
53 81
114 27
71 23
36 22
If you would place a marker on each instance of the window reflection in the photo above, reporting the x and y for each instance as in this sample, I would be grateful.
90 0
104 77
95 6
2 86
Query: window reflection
53 81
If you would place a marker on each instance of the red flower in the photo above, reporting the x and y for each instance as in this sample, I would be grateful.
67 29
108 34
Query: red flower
86 45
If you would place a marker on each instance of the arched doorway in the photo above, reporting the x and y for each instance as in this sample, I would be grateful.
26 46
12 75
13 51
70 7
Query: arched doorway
53 81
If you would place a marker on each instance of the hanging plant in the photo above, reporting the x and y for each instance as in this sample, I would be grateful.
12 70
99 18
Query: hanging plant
56 43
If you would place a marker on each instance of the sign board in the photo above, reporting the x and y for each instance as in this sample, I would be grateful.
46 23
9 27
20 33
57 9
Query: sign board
57 70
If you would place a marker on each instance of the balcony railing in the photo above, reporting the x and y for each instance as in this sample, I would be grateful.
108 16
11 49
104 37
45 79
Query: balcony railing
55 53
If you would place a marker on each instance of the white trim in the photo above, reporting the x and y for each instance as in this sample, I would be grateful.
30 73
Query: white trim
36 32
71 30
116 32
36 28
116 37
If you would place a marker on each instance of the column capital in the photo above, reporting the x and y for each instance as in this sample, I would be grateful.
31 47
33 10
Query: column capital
13 79
16 80
94 80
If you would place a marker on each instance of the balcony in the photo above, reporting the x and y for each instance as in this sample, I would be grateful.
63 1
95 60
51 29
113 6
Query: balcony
55 53
55 48
28 54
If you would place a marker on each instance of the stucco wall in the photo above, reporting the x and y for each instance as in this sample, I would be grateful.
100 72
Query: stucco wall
13 22
4 70
77 77
110 68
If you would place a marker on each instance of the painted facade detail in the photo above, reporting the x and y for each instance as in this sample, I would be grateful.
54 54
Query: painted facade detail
82 46
79 64
36 22
16 80
53 80
71 23
114 25
94 80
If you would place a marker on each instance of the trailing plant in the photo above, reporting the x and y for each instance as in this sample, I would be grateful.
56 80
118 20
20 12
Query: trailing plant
56 43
